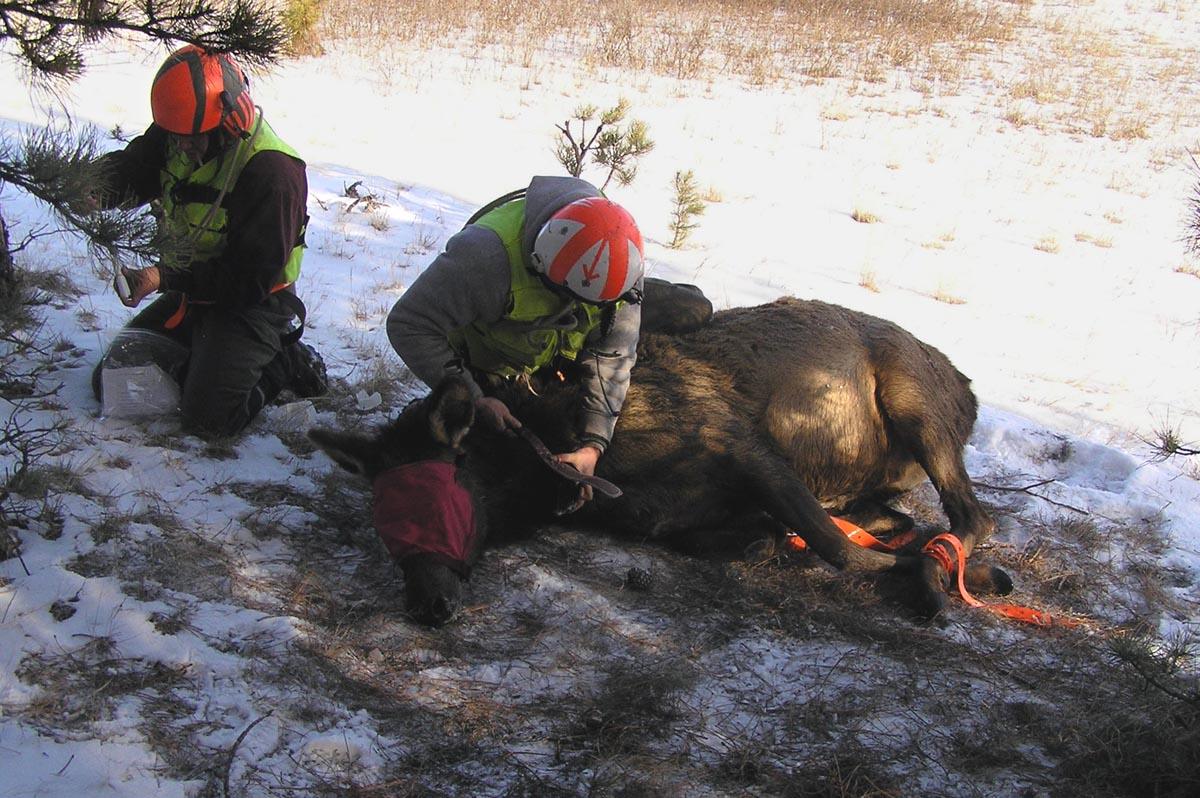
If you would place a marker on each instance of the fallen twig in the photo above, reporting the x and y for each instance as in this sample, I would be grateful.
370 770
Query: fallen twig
233 749
1028 489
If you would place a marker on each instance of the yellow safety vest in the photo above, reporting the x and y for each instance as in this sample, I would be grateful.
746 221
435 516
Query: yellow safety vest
526 338
192 196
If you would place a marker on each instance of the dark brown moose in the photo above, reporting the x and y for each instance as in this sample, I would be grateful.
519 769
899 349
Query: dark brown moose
791 410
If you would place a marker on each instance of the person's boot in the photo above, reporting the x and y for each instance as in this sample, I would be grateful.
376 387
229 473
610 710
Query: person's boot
297 372
306 375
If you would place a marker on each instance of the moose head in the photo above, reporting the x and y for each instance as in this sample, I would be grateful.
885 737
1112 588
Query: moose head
426 513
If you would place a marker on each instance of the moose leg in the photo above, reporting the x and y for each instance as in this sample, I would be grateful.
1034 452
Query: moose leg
874 515
968 520
932 415
791 503
934 426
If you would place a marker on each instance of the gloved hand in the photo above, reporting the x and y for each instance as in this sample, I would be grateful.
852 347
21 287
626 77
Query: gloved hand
495 414
84 204
134 285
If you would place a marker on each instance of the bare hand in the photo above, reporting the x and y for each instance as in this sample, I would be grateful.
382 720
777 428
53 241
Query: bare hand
134 285
495 414
584 461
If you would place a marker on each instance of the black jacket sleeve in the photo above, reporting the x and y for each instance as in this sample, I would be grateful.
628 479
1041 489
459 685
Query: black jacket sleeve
132 175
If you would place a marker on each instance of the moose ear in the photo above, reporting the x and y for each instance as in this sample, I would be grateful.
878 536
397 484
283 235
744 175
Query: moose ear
451 411
355 453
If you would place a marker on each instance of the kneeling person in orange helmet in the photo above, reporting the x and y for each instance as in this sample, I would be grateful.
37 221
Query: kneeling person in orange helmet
548 282
232 189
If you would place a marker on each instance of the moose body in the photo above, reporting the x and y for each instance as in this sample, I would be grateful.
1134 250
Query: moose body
789 410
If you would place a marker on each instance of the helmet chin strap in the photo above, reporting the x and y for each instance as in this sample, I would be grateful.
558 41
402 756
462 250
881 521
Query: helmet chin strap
231 170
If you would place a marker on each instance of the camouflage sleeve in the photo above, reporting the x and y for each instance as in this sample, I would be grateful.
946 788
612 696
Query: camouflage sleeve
606 362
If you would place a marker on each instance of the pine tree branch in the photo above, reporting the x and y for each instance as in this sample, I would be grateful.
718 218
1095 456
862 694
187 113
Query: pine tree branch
61 169
50 33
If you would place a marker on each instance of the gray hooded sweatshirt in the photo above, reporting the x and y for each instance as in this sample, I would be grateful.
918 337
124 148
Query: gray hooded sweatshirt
470 281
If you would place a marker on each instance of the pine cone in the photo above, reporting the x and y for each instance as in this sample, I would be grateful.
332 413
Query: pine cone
639 579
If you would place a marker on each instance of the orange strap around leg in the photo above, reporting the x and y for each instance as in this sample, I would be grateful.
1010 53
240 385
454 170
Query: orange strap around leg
856 534
952 567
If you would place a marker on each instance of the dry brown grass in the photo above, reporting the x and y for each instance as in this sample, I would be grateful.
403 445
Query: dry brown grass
1071 76
868 280
1048 244
864 216
943 293
758 40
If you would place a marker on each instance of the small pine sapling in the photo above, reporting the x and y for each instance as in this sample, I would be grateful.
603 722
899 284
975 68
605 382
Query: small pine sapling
688 206
300 19
608 144
1191 237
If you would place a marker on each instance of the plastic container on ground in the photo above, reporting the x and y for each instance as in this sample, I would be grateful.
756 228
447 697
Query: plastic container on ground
140 375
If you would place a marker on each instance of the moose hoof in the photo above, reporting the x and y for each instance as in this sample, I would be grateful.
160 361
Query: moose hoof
930 598
759 551
987 579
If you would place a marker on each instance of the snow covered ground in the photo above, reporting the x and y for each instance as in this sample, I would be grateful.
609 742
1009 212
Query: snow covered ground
158 636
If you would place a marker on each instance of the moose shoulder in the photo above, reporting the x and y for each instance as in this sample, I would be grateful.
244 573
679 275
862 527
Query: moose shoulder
792 410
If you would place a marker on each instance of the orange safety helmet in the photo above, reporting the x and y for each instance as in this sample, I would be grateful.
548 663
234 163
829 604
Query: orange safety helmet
592 248
197 90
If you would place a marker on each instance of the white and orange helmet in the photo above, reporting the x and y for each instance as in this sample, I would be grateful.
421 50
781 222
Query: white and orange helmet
592 248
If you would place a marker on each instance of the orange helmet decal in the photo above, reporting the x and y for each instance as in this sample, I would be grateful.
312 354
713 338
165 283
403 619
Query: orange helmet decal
196 90
591 247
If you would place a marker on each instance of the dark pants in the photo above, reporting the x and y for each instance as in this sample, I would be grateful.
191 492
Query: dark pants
235 366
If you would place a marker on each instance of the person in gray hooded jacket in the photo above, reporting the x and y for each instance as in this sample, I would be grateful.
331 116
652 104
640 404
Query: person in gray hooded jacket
551 277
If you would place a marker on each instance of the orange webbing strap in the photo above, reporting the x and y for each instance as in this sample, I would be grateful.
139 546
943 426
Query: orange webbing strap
942 557
856 534
178 315
862 537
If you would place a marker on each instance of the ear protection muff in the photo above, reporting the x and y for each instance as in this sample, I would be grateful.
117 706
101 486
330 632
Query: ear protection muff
237 108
